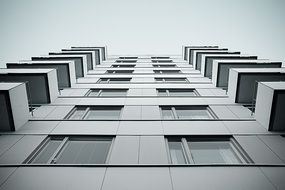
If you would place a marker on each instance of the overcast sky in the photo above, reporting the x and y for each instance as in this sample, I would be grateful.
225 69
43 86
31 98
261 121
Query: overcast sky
36 27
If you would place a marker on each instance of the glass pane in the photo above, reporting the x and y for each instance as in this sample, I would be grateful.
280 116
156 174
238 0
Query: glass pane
113 93
167 113
105 80
103 114
181 93
213 152
85 152
156 71
121 80
170 71
93 93
78 113
193 113
176 153
175 79
47 152
161 92
159 79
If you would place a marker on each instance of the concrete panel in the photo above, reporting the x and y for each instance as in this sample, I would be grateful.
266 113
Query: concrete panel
205 92
152 150
245 127
21 150
135 92
5 172
63 101
38 127
223 112
86 128
101 101
275 175
257 150
137 178
150 112
7 141
276 143
140 128
219 91
141 101
35 178
79 92
42 112
219 178
131 113
241 112
59 112
149 92
194 127
125 150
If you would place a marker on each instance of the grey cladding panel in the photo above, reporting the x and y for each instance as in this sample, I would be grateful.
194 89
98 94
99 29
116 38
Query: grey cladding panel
139 178
21 150
7 141
150 113
219 178
131 113
276 143
71 178
59 112
152 150
125 150
257 150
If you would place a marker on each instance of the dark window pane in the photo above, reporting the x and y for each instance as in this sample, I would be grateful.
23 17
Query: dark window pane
85 152
47 152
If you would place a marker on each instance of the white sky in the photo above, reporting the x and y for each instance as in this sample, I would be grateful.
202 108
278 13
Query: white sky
36 27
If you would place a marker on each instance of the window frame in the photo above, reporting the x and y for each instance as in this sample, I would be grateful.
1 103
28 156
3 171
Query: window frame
102 90
167 71
176 116
87 109
123 66
63 145
119 71
109 79
239 152
168 92
163 80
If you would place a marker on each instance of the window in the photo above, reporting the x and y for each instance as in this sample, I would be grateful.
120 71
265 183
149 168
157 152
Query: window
126 61
205 150
107 92
129 57
119 71
162 61
166 71
164 66
170 79
186 112
95 113
123 66
160 57
176 92
72 150
114 80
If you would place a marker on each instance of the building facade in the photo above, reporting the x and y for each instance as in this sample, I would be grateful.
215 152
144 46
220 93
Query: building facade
80 119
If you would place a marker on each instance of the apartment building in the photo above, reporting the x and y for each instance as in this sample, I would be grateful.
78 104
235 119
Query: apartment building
211 118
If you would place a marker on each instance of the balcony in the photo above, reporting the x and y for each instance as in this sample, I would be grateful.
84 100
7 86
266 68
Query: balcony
41 84
14 109
270 105
243 82
66 76
207 61
80 62
90 55
198 56
220 70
